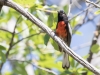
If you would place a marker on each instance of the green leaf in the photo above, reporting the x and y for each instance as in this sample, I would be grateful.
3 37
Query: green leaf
2 56
50 20
81 70
46 39
78 33
72 61
20 68
76 65
86 56
55 45
2 48
89 73
97 12
20 20
42 16
26 3
75 21
66 72
66 8
95 48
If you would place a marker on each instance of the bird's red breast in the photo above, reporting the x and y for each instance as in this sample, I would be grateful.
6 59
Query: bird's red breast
61 29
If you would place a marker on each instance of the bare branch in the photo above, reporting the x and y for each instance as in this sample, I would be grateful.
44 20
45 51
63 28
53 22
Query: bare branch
52 34
79 25
93 3
82 11
94 41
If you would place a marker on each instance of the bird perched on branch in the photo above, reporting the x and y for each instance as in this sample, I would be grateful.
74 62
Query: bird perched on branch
64 32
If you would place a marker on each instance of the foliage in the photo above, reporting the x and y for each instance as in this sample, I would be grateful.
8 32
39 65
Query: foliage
31 45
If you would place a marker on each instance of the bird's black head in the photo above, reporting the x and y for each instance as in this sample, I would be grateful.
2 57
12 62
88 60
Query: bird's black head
61 15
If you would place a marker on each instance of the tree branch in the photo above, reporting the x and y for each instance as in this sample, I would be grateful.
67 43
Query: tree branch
52 34
83 11
94 41
1 4
5 30
10 44
93 3
13 34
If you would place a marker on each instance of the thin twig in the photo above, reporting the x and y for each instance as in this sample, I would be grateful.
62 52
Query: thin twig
83 11
5 30
25 38
10 45
13 34
70 4
79 25
87 11
96 5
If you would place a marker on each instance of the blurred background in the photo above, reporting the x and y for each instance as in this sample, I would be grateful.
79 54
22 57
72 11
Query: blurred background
26 50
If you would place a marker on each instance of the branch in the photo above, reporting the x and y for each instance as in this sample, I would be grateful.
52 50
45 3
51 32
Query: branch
84 22
25 38
41 68
13 34
83 11
10 44
94 41
52 35
1 4
93 3
5 30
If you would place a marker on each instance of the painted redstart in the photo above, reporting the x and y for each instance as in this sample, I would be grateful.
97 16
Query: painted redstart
64 32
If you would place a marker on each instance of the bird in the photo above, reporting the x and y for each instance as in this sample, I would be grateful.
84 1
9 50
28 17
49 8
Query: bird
64 32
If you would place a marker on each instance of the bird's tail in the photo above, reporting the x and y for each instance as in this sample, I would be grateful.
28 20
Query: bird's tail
66 63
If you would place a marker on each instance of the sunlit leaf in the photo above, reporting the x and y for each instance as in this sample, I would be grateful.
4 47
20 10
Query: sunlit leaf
78 33
95 48
81 70
97 12
75 21
72 62
26 3
89 73
66 8
42 16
